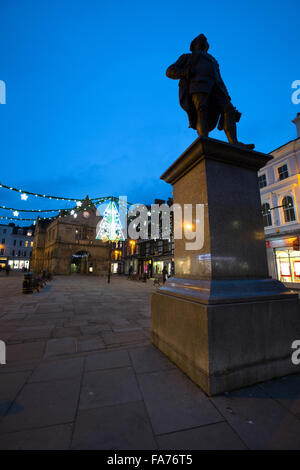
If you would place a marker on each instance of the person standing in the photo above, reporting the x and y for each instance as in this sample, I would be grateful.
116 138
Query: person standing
164 274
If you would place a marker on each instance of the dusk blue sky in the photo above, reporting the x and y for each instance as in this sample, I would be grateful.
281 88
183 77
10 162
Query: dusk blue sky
89 108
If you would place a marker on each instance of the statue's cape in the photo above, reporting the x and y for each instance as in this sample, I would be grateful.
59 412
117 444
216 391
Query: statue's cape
185 100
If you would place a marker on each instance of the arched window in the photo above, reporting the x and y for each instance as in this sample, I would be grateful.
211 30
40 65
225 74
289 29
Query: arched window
267 216
288 209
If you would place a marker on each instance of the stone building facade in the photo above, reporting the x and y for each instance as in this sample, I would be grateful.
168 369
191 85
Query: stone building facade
16 245
279 183
68 244
152 255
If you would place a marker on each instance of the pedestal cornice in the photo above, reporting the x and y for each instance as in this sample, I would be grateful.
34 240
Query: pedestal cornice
205 147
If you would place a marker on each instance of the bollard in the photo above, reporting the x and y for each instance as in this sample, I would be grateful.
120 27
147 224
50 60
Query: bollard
28 283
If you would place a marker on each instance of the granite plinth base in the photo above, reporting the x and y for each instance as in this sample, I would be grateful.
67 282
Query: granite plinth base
226 346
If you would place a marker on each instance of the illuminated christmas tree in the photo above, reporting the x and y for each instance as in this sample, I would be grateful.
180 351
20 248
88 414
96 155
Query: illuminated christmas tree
110 227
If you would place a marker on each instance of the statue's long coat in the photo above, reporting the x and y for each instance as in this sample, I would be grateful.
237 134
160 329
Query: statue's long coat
203 82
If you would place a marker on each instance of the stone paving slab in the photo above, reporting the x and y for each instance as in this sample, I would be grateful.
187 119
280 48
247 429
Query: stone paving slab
262 423
30 333
109 387
122 427
218 436
49 438
25 351
11 384
286 391
107 360
42 404
90 343
58 370
81 373
61 346
174 402
149 359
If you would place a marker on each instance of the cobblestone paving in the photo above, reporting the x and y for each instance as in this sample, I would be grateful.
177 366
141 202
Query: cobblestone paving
81 373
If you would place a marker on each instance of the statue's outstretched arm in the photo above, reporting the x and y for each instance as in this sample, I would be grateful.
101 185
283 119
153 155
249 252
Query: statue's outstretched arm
180 69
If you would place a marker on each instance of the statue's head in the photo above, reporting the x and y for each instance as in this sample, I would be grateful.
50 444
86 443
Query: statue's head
199 44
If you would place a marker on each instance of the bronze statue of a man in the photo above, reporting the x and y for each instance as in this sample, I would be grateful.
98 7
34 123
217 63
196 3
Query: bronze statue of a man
203 94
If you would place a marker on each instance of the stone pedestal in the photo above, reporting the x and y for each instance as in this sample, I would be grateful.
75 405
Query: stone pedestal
222 320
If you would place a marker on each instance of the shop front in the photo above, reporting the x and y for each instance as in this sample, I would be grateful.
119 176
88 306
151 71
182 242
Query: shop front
133 264
3 262
286 257
147 267
117 267
18 264
158 266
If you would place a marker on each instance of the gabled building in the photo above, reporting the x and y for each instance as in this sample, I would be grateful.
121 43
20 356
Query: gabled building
68 244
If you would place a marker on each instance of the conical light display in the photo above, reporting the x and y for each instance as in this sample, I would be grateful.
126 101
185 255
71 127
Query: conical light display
110 227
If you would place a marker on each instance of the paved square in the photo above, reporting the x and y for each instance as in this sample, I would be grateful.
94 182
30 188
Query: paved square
81 373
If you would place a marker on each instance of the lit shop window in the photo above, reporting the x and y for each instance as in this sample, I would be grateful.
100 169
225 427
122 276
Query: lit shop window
26 243
297 269
288 265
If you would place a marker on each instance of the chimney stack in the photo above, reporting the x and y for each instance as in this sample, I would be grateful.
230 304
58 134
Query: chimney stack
296 121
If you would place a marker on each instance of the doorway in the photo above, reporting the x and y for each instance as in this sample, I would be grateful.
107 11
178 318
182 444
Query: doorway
81 263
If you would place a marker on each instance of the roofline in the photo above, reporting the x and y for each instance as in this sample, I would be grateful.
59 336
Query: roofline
283 145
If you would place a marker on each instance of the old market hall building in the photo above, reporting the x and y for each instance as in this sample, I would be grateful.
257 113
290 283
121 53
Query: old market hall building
279 183
68 244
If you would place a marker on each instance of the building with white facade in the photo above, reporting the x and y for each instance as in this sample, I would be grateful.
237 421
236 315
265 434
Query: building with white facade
16 244
279 183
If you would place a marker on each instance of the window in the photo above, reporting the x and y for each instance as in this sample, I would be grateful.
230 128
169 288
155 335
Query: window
288 209
31 243
26 243
262 181
267 216
24 253
15 242
21 242
2 251
4 230
3 241
283 172
19 253
13 252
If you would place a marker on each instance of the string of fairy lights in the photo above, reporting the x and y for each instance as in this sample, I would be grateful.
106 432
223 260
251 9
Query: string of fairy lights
81 205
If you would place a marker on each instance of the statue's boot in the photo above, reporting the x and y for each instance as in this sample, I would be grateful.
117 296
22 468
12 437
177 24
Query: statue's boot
230 131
